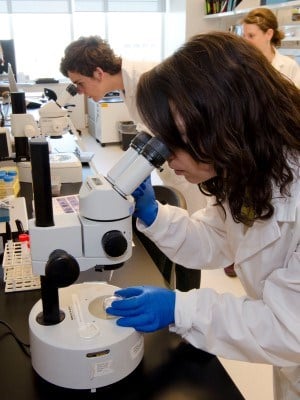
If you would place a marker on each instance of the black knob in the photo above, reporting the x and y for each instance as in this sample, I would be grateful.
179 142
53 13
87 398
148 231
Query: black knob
62 269
114 243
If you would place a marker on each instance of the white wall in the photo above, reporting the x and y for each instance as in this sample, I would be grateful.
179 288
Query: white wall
195 11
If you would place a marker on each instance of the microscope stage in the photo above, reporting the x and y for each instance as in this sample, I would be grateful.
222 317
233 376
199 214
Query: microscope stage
86 350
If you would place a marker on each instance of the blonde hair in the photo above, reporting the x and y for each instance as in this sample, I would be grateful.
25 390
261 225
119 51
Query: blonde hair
265 19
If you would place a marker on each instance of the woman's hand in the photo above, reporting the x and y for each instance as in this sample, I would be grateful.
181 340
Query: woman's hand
145 203
145 308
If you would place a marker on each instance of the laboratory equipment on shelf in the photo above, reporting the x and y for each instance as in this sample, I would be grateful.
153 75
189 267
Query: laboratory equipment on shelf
74 344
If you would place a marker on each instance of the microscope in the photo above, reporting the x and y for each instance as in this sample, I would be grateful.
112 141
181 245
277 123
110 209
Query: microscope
74 343
53 122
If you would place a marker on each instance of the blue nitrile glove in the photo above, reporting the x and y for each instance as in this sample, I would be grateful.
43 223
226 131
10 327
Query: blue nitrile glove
145 308
145 204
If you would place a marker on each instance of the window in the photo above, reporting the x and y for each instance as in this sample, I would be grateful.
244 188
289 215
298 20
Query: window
39 47
42 29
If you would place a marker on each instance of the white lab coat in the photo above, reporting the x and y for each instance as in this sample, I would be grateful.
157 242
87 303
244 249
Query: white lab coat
263 326
131 73
287 66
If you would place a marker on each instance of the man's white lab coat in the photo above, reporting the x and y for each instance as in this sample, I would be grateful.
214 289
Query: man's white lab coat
131 73
262 327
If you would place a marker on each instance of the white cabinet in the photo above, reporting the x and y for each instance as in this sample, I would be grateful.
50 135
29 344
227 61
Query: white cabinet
104 117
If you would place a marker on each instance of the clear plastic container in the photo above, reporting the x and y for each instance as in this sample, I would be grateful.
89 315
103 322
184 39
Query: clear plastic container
55 186
9 185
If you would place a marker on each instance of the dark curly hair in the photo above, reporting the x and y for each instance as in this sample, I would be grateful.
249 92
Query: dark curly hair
86 54
239 114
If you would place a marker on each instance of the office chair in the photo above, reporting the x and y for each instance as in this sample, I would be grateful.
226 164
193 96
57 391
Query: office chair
175 275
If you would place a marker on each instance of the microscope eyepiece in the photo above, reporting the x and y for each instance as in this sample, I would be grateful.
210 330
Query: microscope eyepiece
131 154
139 141
71 89
153 154
156 152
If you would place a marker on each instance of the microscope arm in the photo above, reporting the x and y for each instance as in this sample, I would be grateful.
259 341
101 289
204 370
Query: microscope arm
61 271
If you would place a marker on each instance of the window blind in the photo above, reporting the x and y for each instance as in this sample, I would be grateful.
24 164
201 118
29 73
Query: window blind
3 7
40 6
135 5
66 6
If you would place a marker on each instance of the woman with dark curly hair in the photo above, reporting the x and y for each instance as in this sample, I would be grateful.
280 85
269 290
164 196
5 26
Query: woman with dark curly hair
232 124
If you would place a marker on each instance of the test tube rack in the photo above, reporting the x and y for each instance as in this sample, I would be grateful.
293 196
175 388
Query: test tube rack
17 268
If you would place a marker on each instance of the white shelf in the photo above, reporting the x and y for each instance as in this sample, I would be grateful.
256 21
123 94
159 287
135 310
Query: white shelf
288 4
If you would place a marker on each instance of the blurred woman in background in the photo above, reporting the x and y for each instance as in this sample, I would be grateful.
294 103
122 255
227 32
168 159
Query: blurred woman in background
260 28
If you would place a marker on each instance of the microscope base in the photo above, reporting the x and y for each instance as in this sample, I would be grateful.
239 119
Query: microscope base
86 350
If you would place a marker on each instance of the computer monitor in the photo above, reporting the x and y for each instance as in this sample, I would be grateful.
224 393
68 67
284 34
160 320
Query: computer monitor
13 87
7 56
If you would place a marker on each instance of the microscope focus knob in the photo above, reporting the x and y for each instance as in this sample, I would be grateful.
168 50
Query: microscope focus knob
114 243
62 269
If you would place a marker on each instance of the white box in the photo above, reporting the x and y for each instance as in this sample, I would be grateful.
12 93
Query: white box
66 166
